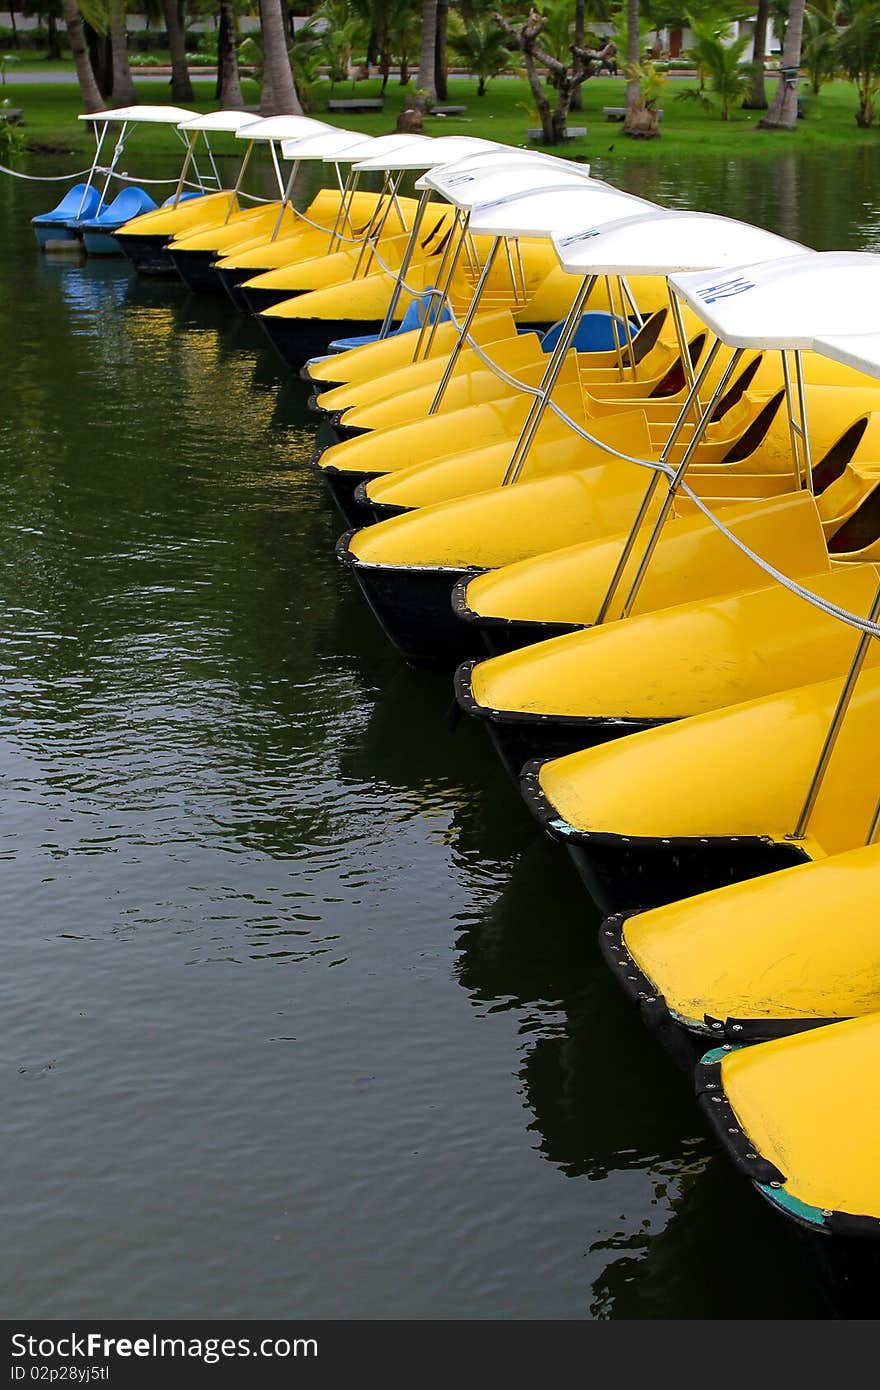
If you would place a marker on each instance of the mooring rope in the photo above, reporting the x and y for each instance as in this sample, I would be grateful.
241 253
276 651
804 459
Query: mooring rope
832 610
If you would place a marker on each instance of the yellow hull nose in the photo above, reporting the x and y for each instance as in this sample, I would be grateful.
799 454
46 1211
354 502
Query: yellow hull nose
797 1117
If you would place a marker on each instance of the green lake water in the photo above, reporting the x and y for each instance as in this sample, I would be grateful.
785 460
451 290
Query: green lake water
299 1014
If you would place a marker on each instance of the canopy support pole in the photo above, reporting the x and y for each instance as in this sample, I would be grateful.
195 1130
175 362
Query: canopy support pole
627 326
448 263
644 505
548 381
797 428
684 348
465 329
279 177
286 199
184 168
676 481
408 254
117 155
238 182
99 141
843 703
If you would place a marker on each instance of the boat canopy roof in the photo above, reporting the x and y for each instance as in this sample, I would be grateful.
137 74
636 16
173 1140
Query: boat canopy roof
787 303
513 171
663 241
280 128
394 151
330 144
218 120
541 211
158 115
859 350
442 149
487 180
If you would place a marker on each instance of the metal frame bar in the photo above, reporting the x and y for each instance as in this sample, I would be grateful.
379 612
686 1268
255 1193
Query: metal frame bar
184 168
99 142
548 381
409 252
843 704
684 348
461 340
448 263
675 482
629 543
233 196
279 177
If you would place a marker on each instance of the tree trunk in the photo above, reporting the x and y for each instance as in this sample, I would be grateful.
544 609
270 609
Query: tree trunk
181 87
228 81
440 74
123 93
54 46
88 87
277 75
15 38
267 100
757 97
427 59
577 100
632 50
784 107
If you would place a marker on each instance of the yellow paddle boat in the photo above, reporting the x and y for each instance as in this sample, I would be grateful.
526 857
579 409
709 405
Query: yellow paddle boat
408 564
796 1116
303 327
759 959
145 239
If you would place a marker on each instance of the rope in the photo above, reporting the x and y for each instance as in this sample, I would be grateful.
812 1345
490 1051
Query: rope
832 610
43 178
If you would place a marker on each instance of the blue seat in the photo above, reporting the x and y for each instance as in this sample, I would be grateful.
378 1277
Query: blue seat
130 203
184 197
595 333
418 312
69 207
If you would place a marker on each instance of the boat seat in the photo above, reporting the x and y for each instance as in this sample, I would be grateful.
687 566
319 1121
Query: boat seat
173 199
415 316
595 333
78 201
128 204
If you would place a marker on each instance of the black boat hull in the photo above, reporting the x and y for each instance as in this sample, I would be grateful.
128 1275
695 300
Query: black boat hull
414 609
623 872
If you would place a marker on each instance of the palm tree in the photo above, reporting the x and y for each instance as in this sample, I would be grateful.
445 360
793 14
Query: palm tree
482 49
820 55
91 97
858 49
756 99
123 93
729 78
783 111
228 81
279 92
425 82
632 54
181 86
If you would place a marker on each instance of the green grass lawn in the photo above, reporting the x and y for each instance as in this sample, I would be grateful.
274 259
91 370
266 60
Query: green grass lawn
505 113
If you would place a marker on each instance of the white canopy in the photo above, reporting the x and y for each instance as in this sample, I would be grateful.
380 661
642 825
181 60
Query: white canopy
859 350
219 120
330 144
787 303
489 181
280 128
660 241
383 151
444 149
159 115
542 211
